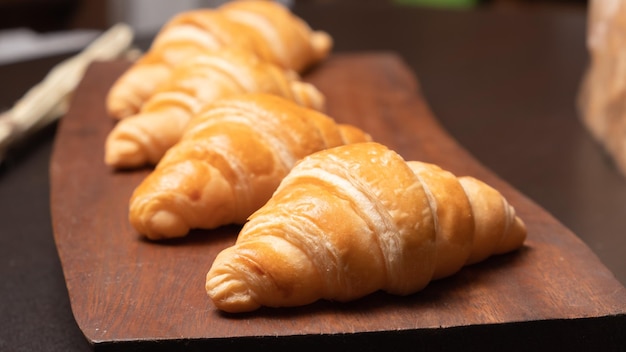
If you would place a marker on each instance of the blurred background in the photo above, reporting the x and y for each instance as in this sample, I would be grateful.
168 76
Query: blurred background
147 15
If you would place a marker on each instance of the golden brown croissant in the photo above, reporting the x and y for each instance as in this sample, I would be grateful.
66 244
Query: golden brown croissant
144 138
230 159
351 220
289 40
262 28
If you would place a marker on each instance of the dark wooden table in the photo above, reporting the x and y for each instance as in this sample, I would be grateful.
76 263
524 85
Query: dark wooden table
503 84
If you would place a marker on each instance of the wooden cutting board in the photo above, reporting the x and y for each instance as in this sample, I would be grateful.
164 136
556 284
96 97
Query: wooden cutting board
134 294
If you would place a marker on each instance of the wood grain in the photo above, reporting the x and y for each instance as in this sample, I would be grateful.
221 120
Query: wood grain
135 294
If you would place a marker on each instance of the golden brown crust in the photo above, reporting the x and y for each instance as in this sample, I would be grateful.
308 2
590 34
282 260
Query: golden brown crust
497 229
454 220
351 220
232 156
289 40
261 28
144 138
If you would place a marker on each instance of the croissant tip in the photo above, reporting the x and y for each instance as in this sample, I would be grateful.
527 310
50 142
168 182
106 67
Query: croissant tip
148 218
514 238
322 43
119 110
229 294
123 153
165 224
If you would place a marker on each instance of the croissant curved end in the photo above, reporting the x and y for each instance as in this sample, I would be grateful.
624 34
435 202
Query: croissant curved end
322 43
120 109
157 223
168 224
230 294
124 153
121 100
514 238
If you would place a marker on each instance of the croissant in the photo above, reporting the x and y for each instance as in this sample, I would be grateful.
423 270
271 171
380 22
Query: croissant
144 138
263 28
228 162
354 219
